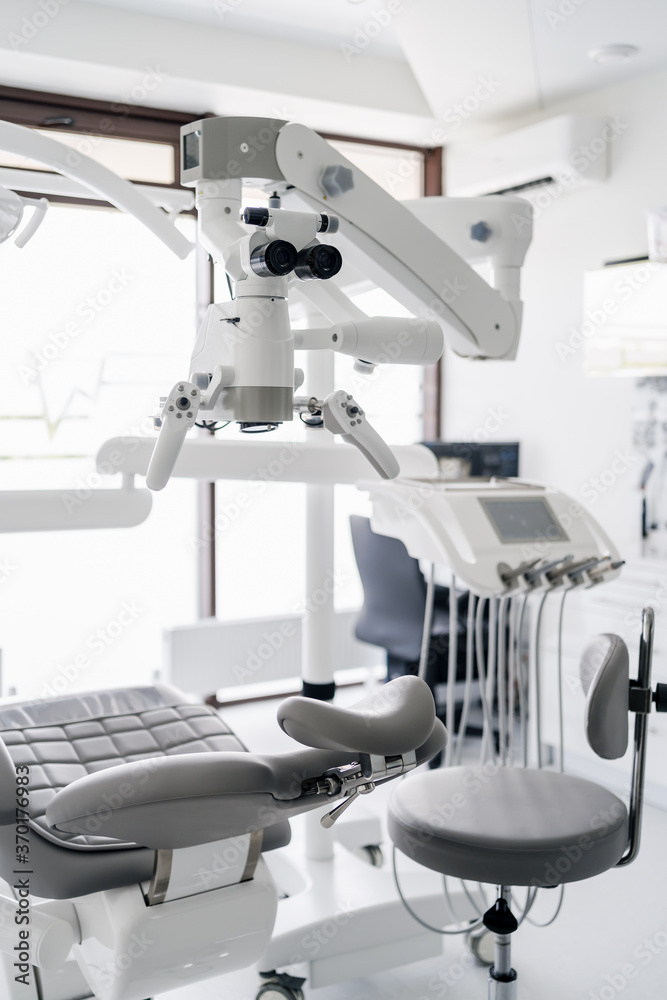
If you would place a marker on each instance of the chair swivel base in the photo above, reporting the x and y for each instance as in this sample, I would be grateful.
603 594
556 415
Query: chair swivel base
502 986
500 920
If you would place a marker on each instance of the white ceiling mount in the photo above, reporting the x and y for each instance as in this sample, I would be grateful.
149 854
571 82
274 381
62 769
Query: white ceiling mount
609 54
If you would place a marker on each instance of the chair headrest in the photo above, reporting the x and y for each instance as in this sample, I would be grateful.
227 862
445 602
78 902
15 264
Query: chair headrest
605 677
394 720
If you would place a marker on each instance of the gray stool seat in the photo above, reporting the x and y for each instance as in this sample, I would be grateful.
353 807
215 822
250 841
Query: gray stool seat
508 826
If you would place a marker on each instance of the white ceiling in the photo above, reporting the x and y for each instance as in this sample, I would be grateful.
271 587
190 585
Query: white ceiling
291 58
561 46
537 50
535 53
325 23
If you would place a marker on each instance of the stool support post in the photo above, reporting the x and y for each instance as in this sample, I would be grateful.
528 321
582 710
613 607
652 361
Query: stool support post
502 977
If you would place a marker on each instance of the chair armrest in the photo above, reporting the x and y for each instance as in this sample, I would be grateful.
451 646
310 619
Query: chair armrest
187 799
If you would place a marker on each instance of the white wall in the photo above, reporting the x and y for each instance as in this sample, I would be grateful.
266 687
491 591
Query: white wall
572 427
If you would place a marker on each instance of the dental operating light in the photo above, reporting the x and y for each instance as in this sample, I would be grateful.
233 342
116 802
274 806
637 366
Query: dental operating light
323 212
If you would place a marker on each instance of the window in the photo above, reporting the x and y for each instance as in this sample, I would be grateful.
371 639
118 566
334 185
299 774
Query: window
100 321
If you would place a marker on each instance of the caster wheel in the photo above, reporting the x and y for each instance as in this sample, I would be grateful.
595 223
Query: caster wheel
374 855
275 991
480 943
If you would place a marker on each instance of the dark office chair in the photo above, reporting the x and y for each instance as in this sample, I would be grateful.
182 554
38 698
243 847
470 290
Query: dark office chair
392 615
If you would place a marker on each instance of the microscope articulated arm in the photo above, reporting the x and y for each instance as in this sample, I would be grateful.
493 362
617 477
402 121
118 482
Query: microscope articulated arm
383 238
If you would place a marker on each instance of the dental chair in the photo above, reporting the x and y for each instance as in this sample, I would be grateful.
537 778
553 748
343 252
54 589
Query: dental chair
511 826
133 826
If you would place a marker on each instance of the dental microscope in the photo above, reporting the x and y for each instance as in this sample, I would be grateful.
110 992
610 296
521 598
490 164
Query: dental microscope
242 365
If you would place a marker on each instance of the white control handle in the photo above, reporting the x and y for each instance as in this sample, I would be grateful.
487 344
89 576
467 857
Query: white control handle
40 206
178 416
343 415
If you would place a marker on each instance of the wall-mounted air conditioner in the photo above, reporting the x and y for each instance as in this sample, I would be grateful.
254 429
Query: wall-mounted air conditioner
568 150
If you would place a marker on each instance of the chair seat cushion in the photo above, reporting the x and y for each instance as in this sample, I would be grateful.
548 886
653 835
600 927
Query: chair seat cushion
508 826
63 739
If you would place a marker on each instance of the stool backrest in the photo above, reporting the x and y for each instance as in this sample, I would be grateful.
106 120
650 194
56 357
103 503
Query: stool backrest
605 677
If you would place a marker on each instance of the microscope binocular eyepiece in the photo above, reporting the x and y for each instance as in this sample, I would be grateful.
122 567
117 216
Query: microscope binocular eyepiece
274 259
321 261
279 258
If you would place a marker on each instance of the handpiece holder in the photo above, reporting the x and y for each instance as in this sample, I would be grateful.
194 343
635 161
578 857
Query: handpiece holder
12 206
179 414
343 415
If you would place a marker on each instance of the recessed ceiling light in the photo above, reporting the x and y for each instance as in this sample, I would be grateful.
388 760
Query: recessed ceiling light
612 53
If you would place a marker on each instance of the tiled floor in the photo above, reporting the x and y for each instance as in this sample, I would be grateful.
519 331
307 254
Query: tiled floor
610 939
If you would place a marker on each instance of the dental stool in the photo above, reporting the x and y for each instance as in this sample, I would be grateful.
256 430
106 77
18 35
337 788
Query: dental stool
511 826
133 824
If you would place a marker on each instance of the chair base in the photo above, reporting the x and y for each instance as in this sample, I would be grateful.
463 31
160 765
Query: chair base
502 977
503 989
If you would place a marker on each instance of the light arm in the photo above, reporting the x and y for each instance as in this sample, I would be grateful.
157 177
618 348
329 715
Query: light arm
121 193
382 237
